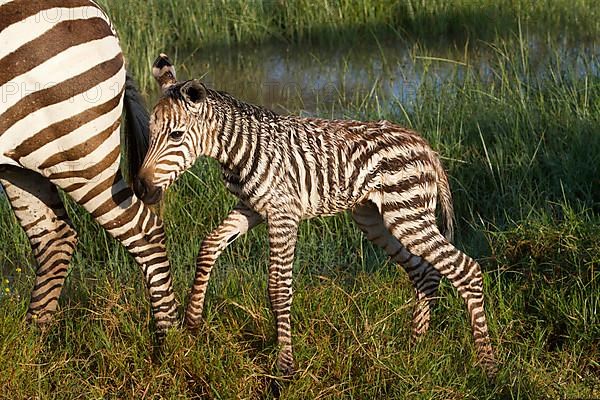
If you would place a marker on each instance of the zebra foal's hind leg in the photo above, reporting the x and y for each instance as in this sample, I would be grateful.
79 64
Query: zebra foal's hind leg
423 276
416 229
41 213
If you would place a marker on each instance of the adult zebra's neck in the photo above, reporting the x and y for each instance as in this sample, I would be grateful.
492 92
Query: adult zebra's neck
237 131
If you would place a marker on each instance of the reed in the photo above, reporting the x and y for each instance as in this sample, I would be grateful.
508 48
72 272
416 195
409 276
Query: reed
150 27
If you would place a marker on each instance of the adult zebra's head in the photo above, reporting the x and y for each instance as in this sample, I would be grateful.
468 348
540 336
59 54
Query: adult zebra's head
177 128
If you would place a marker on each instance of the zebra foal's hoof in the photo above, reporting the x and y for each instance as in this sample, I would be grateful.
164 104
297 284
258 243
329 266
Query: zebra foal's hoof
192 325
285 365
490 367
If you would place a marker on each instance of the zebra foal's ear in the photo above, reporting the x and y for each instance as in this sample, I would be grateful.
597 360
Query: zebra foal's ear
193 91
163 72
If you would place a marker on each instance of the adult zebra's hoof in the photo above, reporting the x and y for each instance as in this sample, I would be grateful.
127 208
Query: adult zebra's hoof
41 320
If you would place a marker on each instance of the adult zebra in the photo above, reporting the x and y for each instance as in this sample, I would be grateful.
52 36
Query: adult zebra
63 85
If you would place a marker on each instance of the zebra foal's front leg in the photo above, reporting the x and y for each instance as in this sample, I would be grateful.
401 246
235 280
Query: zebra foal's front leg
238 222
283 233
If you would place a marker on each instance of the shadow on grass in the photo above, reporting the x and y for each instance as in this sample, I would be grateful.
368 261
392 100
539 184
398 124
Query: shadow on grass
452 25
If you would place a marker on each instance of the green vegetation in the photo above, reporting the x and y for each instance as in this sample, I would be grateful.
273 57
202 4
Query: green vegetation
150 27
521 143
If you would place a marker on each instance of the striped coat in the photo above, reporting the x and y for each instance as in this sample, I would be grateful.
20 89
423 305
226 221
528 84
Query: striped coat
286 168
64 85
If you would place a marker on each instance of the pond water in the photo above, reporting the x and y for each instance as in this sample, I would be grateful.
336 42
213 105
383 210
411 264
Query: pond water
292 78
321 80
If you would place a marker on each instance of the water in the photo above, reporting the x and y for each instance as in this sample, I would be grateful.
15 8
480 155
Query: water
325 80
319 79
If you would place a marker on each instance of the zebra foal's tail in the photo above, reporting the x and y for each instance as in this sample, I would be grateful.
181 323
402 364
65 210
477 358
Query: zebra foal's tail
445 197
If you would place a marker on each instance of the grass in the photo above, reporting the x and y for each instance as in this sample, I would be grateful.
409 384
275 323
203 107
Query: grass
150 27
520 141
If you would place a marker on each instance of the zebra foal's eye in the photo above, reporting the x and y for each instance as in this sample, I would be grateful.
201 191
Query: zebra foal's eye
176 135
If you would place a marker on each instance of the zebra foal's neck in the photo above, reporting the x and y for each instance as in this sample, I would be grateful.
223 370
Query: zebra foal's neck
239 131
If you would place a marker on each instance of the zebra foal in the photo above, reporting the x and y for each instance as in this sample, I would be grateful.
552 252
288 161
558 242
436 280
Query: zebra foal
63 87
284 169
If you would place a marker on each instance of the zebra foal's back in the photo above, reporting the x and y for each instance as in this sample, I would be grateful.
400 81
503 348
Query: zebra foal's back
334 165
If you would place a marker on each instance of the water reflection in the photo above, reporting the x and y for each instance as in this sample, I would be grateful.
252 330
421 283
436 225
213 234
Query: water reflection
311 80
323 80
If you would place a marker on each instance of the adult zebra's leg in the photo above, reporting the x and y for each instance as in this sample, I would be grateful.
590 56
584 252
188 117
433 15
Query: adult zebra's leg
111 202
41 213
239 221
283 234
424 277
416 229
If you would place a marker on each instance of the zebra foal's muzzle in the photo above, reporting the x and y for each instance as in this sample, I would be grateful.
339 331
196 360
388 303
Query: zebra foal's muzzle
145 190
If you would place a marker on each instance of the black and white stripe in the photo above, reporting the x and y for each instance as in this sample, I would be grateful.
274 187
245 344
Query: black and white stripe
63 86
286 168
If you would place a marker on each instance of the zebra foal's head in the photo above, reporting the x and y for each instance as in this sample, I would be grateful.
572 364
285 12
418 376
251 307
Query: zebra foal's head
177 127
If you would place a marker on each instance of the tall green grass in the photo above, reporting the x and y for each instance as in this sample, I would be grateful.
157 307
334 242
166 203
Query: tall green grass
150 27
522 148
